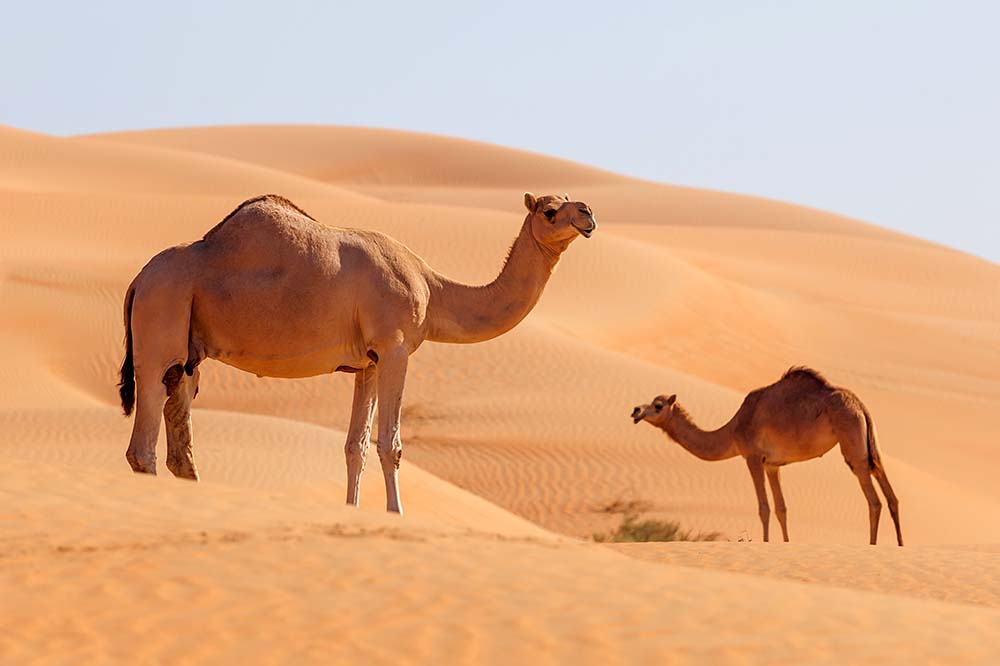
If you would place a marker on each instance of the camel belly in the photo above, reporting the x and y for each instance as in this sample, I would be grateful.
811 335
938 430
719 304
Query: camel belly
790 447
321 362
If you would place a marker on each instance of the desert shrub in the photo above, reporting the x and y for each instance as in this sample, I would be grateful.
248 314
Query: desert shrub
632 529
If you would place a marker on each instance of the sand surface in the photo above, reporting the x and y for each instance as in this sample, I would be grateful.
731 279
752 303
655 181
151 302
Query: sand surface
513 447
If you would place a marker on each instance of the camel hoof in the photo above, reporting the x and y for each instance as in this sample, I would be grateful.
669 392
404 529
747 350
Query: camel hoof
138 466
183 470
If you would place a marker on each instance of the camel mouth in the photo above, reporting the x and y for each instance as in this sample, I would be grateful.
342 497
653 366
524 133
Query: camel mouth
636 415
636 419
586 233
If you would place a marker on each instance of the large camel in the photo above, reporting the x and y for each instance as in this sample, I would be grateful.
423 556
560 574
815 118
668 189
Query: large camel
799 417
271 291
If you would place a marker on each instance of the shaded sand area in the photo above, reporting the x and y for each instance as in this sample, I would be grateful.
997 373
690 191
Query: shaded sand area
512 448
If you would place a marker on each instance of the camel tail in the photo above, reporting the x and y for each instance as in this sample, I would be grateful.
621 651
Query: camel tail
126 386
874 459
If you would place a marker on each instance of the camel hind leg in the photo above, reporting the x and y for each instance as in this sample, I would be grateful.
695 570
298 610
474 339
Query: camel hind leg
878 471
890 498
874 503
855 451
181 390
159 331
150 399
167 396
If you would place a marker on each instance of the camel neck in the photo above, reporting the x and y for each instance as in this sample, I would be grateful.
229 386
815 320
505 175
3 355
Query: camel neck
707 445
464 313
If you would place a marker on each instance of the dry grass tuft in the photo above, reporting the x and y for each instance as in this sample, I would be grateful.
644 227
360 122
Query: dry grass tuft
634 530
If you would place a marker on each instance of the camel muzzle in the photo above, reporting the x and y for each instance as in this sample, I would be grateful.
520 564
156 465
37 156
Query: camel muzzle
588 232
636 415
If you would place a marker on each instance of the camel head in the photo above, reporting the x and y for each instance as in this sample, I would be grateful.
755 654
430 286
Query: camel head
657 412
556 221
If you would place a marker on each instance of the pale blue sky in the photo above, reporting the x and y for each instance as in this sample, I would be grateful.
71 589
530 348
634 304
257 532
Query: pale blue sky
886 111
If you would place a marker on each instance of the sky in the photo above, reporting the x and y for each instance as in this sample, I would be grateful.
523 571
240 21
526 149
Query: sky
885 111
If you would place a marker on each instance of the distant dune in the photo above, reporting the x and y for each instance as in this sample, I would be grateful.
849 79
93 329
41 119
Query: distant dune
512 448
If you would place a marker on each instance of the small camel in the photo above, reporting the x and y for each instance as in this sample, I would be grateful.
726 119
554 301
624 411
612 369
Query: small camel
799 417
271 291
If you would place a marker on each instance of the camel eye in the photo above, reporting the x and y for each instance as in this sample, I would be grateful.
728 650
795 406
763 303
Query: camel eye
550 213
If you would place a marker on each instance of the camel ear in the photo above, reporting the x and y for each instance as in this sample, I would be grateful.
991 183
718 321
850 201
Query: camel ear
530 202
671 400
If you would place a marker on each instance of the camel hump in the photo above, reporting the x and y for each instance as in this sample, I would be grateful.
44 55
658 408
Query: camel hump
263 201
801 372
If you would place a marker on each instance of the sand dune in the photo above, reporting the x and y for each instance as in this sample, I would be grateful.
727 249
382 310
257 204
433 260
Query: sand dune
512 447
160 570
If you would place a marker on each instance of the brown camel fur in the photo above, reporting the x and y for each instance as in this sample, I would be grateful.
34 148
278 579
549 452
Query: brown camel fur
799 417
271 291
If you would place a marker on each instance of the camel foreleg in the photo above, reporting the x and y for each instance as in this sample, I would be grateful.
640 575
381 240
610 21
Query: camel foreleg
359 432
391 378
774 479
756 466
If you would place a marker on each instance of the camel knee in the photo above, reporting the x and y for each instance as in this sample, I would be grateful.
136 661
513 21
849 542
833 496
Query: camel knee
780 511
764 511
875 509
390 459
355 449
391 455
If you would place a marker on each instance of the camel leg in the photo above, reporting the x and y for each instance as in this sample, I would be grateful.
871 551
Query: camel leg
756 466
359 432
890 497
391 377
181 390
861 471
150 398
774 479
